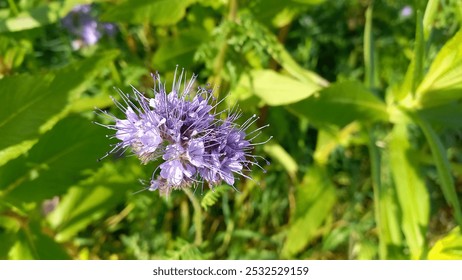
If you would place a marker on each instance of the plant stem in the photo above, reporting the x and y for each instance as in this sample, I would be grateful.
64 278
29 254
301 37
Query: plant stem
377 189
13 8
197 218
418 53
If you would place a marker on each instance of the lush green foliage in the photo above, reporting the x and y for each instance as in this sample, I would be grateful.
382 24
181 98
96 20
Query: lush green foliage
363 99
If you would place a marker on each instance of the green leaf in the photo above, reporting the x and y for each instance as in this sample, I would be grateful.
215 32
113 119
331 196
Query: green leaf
443 82
442 165
276 89
44 246
390 223
448 247
21 249
315 197
277 152
341 104
282 56
412 193
448 115
54 163
429 16
82 205
336 237
38 16
157 12
212 196
9 228
309 2
386 207
179 50
27 103
279 13
32 243
92 199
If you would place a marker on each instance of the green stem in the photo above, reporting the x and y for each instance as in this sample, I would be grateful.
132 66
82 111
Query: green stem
418 53
377 188
369 50
220 59
13 8
429 16
197 218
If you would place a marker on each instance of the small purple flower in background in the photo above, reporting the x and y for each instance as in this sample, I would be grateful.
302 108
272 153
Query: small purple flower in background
184 129
81 23
406 11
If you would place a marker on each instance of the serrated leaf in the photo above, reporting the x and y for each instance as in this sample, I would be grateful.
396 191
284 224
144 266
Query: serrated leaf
157 12
276 89
29 102
212 196
25 104
340 104
411 190
54 163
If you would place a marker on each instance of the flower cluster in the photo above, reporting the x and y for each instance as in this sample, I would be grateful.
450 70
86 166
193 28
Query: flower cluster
82 24
184 129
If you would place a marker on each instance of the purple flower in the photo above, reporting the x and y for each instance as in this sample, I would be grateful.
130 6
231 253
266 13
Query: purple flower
84 26
184 130
406 11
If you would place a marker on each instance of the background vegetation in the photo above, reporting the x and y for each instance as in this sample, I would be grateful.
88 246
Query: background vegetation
363 98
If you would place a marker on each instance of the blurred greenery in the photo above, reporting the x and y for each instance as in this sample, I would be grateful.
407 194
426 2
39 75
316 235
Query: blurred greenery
363 98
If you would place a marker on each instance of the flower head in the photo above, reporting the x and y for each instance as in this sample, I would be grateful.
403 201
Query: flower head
83 25
406 11
184 130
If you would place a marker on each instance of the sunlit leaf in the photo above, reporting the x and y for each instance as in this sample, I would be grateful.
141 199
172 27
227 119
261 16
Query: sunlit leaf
390 223
25 104
280 13
285 159
443 82
90 200
32 243
55 162
28 102
9 228
411 190
448 247
276 89
39 16
157 12
315 197
341 104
